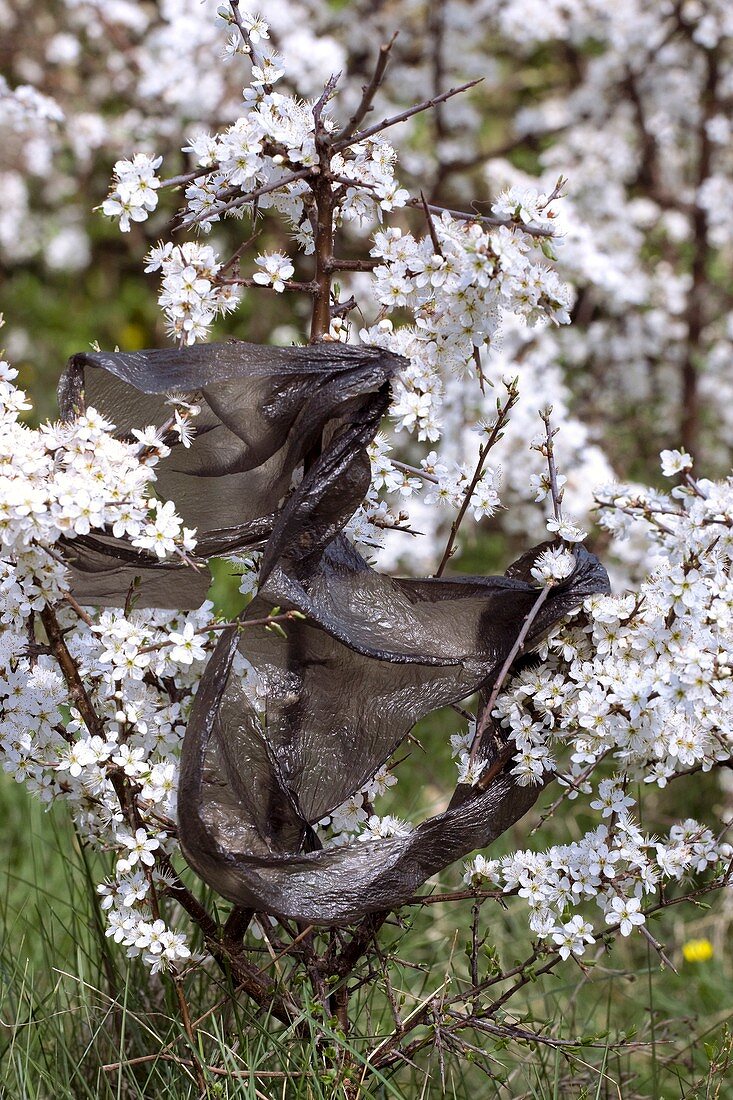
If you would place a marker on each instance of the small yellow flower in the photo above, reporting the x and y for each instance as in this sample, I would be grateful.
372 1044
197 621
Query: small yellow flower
697 951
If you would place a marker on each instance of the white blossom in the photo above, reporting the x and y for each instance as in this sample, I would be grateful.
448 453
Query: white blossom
276 270
625 913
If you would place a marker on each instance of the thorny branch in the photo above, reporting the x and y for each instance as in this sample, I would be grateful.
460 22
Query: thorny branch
368 92
482 219
495 433
228 955
485 720
386 123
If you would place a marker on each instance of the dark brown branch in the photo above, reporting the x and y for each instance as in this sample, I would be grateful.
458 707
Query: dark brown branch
340 309
80 698
431 227
234 5
486 720
436 37
368 92
335 264
324 199
426 105
485 219
362 937
67 664
237 255
227 953
236 925
326 94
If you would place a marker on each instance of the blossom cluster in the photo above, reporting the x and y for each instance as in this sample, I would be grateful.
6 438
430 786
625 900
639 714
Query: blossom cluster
59 482
191 295
25 105
647 678
638 692
139 669
619 99
69 479
440 299
434 482
612 869
272 139
643 199
355 818
456 297
134 193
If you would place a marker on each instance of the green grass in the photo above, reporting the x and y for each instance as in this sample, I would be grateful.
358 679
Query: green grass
72 1004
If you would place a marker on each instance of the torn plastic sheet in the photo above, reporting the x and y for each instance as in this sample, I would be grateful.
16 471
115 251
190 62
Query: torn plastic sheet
264 410
342 691
373 655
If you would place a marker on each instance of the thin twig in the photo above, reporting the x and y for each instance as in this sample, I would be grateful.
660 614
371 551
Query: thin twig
511 657
523 1035
486 715
485 219
347 181
378 1055
326 94
277 1075
657 947
415 471
426 105
242 200
556 494
502 416
234 5
572 785
286 950
188 177
289 284
431 227
368 92
85 618
237 255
